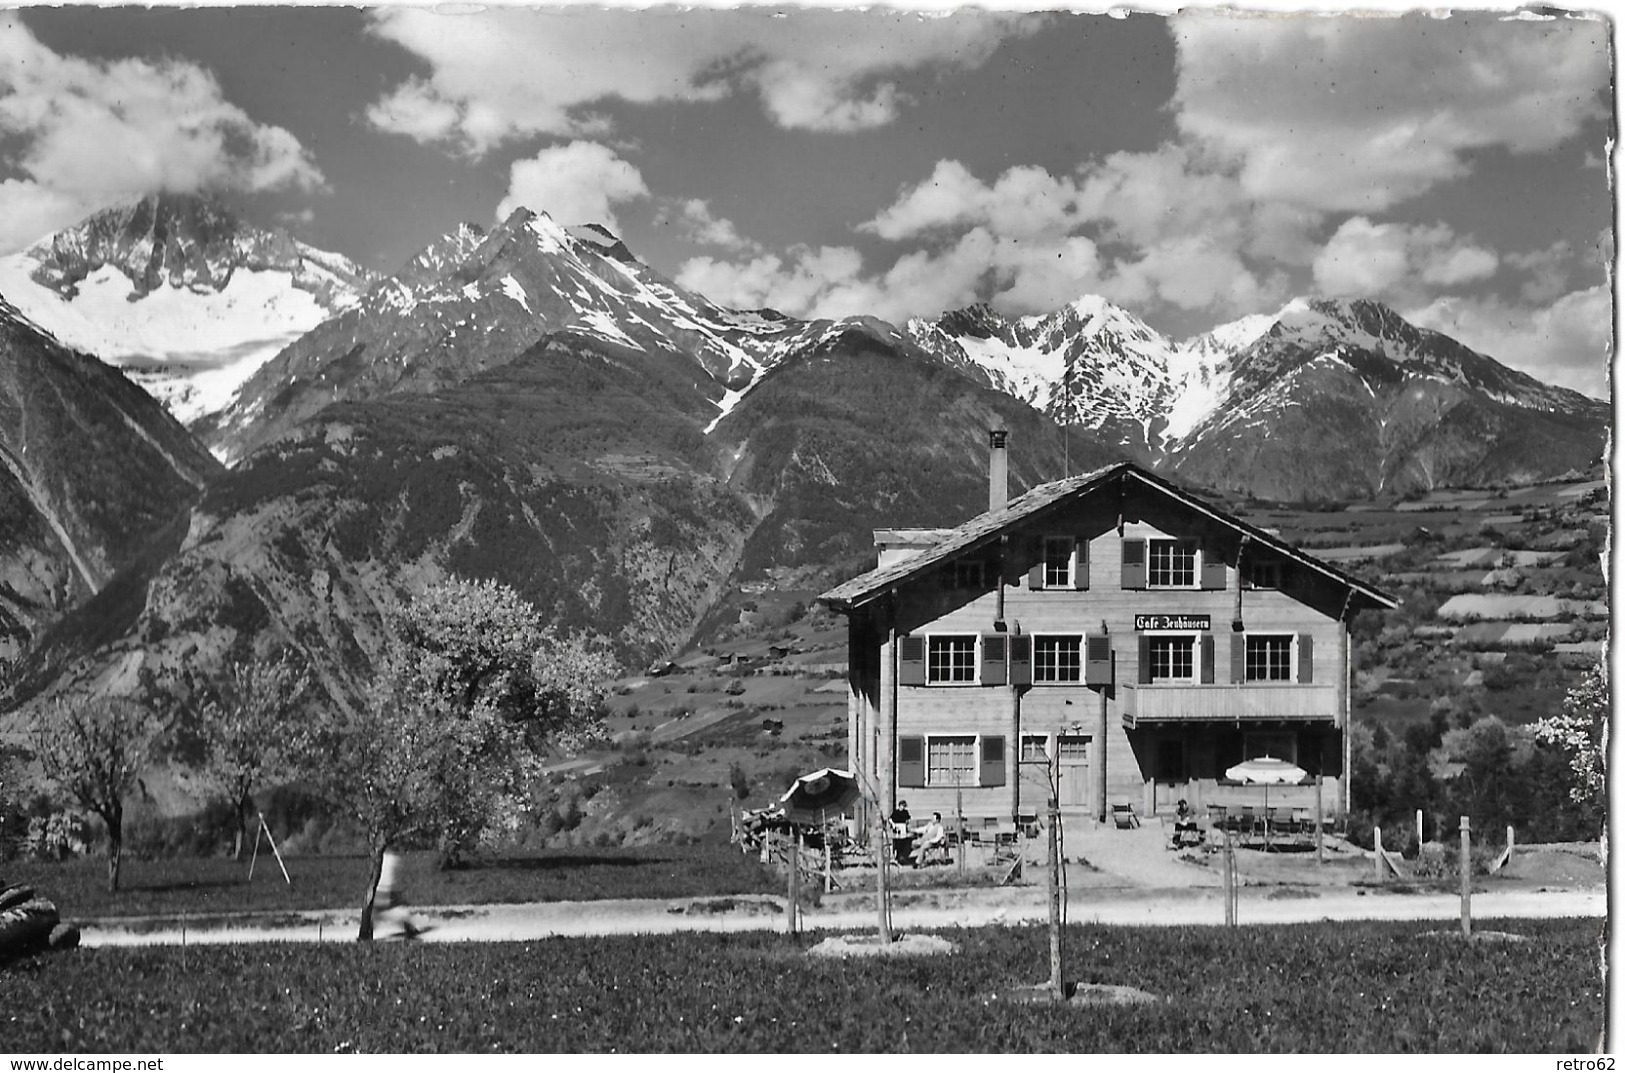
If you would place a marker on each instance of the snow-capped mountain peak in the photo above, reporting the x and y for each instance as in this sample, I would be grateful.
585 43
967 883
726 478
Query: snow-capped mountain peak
180 292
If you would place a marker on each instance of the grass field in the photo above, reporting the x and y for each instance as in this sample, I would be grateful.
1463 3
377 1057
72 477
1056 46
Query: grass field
218 885
1330 987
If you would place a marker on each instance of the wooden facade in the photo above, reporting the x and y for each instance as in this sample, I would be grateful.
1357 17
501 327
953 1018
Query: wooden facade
1149 639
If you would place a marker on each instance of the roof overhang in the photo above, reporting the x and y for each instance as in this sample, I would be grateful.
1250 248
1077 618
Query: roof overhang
984 529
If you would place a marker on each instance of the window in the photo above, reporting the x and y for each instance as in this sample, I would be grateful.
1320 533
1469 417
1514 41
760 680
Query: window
951 658
1269 658
1058 562
950 761
966 574
1074 749
1173 658
1034 748
1173 564
1058 658
1264 574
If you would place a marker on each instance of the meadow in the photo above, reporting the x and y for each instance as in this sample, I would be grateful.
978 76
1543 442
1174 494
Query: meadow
1327 987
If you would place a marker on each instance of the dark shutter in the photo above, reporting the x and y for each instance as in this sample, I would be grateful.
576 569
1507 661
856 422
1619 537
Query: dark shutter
1205 643
1145 659
992 760
1080 575
1306 658
995 650
1238 657
911 661
1134 563
1097 660
1021 660
1213 572
911 761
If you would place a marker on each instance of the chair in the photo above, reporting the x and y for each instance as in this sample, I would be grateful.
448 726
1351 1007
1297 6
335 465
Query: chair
1303 824
1123 815
936 853
1245 822
1216 817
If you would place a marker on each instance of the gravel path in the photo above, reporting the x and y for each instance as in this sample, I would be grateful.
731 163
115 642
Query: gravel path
912 910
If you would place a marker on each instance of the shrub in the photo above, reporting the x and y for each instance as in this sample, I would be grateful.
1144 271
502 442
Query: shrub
739 781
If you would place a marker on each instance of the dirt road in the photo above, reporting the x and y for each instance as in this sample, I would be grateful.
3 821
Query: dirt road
912 910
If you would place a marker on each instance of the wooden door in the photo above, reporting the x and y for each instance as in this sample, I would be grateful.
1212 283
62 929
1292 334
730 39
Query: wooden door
1074 770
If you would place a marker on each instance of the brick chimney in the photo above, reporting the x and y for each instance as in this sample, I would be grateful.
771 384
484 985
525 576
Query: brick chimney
998 469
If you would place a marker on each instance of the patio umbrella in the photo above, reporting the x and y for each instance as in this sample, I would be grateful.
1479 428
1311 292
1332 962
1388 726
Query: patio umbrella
1266 771
827 791
816 795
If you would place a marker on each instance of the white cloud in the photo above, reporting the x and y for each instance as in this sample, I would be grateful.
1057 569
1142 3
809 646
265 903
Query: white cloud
1181 232
797 286
1022 276
1356 114
85 132
1370 260
1192 273
29 212
416 110
505 73
695 218
1567 342
576 183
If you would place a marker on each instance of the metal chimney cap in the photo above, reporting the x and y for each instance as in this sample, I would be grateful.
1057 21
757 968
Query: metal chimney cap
996 437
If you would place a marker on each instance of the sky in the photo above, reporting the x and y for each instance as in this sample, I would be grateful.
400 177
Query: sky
1192 168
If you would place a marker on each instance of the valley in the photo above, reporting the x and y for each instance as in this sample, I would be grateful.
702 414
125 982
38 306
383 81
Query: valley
676 482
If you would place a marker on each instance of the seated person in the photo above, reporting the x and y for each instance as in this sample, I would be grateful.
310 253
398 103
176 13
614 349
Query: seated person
1186 831
932 836
902 840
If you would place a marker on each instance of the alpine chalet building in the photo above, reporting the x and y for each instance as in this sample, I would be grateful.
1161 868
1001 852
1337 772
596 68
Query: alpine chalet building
1151 639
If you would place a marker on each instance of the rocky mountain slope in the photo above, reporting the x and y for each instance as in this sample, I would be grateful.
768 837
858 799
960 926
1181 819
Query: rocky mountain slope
579 472
91 471
181 293
474 301
1339 400
1322 400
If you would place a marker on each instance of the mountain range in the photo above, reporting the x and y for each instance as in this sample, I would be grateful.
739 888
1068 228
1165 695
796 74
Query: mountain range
534 403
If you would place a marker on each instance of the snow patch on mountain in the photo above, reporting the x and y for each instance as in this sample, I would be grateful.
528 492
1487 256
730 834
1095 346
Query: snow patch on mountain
190 349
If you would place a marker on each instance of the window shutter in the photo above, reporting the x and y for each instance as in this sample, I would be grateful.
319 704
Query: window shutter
1021 660
1238 657
1205 642
1306 658
1097 660
1213 572
911 661
1080 562
1145 659
911 761
992 760
1035 561
995 650
1134 563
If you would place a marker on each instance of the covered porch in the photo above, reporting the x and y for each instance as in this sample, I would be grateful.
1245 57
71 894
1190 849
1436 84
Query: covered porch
1185 760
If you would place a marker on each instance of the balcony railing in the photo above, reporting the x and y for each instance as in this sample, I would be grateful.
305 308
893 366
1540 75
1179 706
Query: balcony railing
1210 703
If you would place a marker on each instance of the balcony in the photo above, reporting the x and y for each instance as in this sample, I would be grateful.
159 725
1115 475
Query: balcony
1229 703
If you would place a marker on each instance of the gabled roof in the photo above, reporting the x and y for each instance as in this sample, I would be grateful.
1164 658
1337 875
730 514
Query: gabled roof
985 528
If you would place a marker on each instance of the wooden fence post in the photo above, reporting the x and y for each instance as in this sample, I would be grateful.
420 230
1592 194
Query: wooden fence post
1419 833
1376 841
